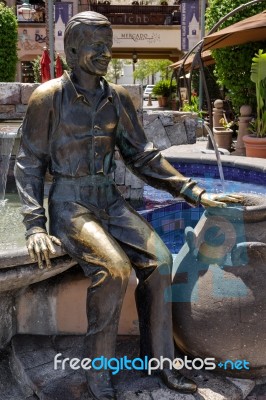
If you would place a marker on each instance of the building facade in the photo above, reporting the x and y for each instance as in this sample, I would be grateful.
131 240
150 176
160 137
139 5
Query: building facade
145 29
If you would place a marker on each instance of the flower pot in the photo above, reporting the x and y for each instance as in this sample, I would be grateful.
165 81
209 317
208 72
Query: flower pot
255 147
218 290
223 137
174 104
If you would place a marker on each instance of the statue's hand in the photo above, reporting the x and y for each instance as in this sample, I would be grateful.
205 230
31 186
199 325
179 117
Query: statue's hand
40 246
219 199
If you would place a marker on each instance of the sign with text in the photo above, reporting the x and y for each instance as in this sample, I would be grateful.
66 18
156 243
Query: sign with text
63 12
189 24
31 41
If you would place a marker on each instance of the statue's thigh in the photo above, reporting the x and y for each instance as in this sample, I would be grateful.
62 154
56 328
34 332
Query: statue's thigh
138 239
85 237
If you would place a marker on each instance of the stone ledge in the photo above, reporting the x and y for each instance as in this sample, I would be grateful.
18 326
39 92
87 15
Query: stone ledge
192 153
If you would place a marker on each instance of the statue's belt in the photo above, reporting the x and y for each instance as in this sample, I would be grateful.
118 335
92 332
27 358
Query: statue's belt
84 180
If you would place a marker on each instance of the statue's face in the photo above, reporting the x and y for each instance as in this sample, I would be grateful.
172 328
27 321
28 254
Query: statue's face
94 52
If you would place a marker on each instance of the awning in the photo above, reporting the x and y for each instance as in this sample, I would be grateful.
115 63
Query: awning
205 56
252 29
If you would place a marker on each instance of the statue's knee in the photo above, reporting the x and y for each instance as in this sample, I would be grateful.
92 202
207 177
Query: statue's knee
121 267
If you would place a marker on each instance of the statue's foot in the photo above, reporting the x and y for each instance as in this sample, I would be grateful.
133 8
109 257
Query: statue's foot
174 380
100 386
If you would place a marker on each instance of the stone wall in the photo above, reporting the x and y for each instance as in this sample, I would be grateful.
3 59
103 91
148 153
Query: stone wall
170 128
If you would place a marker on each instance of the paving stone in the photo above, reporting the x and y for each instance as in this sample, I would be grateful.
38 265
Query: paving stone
165 394
245 385
214 387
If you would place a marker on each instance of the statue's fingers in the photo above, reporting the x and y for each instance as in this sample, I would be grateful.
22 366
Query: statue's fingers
213 203
37 251
50 245
230 199
56 240
39 260
47 259
30 247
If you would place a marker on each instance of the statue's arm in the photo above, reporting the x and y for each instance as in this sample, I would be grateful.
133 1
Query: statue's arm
148 163
30 169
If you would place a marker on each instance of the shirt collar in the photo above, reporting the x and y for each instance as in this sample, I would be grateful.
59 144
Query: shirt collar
74 95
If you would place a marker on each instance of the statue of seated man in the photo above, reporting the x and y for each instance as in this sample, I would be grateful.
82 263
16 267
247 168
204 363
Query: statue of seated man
71 127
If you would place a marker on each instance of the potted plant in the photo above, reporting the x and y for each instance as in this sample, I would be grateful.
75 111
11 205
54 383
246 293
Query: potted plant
223 134
162 89
256 142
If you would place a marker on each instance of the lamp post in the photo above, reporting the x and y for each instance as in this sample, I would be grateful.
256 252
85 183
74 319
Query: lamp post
49 25
26 10
134 60
202 18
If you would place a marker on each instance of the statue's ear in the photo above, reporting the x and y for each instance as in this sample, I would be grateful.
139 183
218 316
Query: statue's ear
190 238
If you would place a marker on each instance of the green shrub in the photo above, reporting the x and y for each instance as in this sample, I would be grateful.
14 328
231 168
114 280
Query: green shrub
8 44
233 63
164 88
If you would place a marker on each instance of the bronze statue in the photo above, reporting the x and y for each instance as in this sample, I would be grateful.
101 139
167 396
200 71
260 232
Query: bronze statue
72 126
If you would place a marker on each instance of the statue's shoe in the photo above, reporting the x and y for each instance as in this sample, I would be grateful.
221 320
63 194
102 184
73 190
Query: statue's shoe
174 380
100 386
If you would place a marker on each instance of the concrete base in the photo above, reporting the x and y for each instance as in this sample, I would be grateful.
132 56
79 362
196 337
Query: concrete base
58 306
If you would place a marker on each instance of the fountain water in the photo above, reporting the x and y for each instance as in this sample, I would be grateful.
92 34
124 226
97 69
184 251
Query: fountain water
7 138
217 153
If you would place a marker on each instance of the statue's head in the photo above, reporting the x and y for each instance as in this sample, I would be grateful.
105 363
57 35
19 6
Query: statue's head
87 29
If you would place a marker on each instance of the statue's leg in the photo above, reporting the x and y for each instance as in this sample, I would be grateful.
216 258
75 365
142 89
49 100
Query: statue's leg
86 240
152 262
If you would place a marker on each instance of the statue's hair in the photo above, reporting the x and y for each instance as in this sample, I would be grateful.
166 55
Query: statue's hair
74 31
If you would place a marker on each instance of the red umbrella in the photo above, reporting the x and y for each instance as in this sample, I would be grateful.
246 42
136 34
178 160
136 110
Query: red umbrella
58 67
45 66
